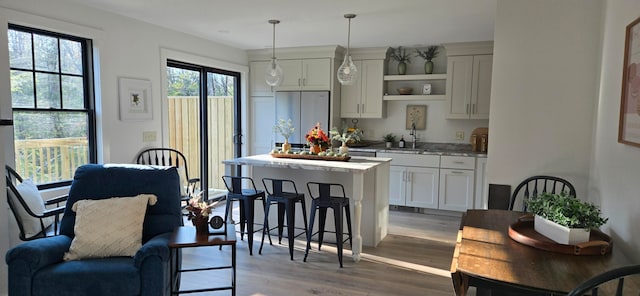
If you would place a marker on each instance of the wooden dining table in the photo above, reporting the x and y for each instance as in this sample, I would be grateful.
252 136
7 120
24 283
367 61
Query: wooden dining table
487 258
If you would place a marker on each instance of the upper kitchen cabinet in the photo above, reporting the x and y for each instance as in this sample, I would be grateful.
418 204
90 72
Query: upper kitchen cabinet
469 68
306 74
258 85
363 99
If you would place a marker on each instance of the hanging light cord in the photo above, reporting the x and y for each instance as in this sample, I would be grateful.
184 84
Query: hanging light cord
273 43
349 37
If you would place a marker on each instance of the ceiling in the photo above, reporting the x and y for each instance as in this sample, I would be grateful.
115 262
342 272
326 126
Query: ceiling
244 23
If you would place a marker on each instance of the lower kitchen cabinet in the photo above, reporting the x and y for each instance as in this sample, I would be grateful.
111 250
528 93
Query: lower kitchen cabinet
413 179
456 189
413 186
457 183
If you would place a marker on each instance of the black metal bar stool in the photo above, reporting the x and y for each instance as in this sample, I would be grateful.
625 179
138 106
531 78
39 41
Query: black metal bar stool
286 205
246 197
323 200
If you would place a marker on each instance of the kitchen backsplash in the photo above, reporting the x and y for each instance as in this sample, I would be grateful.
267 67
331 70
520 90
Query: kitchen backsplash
438 129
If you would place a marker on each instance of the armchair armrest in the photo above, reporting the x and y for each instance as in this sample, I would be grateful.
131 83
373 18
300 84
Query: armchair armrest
156 246
193 180
56 200
36 254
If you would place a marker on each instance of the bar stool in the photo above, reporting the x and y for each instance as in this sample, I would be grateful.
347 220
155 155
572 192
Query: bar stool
322 200
286 205
246 197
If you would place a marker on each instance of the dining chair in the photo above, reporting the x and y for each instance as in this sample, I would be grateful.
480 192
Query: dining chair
535 185
323 199
175 158
616 277
30 211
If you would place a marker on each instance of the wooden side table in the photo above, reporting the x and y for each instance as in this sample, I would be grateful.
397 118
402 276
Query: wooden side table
185 237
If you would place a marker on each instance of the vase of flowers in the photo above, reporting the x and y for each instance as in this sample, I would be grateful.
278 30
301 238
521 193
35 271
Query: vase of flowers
403 58
199 213
428 55
317 139
286 129
345 137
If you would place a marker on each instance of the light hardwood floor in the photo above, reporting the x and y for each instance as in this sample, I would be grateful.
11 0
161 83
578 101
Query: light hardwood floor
414 259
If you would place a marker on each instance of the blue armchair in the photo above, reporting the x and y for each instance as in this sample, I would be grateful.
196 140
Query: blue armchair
37 268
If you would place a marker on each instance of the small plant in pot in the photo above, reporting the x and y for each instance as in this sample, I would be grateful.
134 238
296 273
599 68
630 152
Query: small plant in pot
564 218
389 139
401 56
428 55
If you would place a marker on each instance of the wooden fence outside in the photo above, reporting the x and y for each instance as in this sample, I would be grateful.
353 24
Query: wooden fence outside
184 133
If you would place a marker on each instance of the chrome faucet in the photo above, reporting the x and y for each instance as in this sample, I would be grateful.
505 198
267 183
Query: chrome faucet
414 135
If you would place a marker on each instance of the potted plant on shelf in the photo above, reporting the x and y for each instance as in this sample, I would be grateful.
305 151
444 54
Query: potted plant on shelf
402 57
389 139
428 55
564 218
286 129
345 137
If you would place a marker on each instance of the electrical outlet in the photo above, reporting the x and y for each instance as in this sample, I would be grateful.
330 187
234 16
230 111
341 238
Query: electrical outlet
460 135
149 136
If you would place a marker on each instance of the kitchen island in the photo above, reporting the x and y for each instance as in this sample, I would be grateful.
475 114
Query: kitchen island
365 179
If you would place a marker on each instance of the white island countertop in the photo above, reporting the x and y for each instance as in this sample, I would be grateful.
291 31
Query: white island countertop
356 164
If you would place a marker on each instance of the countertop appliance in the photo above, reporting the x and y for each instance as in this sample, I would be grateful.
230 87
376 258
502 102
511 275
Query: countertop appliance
305 109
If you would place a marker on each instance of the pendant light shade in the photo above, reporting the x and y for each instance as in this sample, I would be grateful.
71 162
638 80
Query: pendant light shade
273 74
348 73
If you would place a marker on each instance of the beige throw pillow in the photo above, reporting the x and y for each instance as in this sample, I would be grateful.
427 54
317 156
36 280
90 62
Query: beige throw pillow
108 227
31 196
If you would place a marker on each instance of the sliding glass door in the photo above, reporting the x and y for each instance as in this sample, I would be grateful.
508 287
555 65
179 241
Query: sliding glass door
204 120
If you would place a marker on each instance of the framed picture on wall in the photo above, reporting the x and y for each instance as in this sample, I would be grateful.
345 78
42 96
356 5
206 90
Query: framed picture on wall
135 99
629 127
416 117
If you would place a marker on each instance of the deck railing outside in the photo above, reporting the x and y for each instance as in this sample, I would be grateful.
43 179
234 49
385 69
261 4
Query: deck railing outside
51 160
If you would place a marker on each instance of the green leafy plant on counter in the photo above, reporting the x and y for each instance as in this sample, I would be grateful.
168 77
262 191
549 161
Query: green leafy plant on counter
389 138
566 210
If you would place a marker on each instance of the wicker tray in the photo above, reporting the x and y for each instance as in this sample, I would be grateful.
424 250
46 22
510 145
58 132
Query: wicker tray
523 232
311 156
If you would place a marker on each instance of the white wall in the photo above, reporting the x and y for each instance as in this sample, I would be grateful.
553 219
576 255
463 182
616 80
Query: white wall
126 48
544 90
615 167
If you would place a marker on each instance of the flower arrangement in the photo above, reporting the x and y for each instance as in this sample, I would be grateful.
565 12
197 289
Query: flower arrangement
284 128
345 136
198 209
317 136
400 55
429 54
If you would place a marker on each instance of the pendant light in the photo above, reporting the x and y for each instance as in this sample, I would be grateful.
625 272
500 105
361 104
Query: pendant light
348 73
273 75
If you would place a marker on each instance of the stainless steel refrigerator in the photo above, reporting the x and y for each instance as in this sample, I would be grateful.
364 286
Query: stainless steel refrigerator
305 109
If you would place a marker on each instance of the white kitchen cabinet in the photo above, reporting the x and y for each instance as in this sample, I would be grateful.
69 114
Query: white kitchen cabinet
482 188
469 86
413 179
263 115
363 99
257 83
457 180
306 74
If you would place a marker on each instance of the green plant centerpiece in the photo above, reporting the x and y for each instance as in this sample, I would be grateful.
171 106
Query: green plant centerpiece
428 55
573 217
389 139
401 56
285 129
